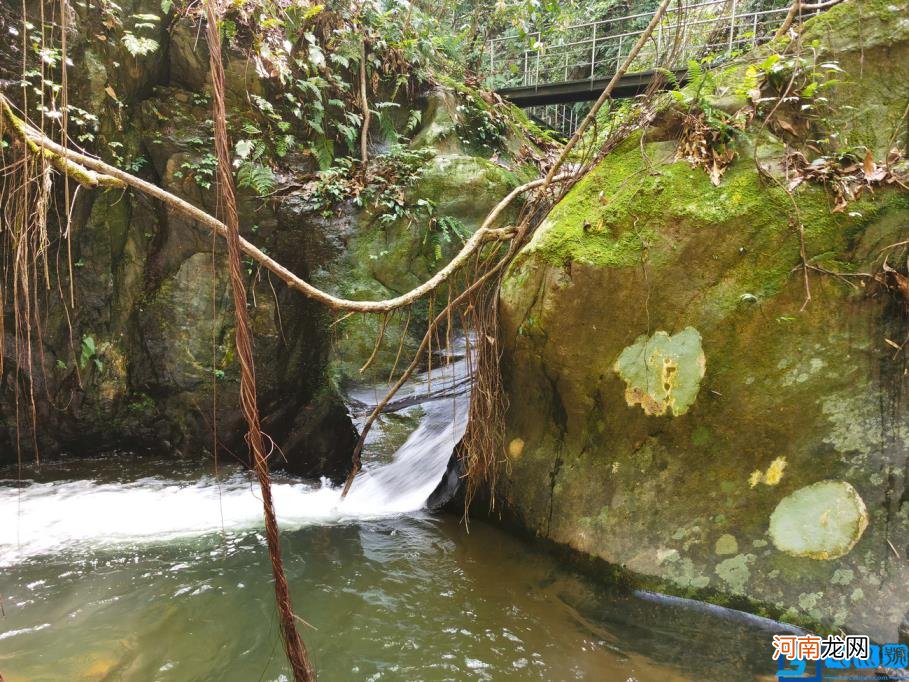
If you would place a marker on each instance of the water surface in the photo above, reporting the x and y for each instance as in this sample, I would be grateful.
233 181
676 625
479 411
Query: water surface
154 588
126 568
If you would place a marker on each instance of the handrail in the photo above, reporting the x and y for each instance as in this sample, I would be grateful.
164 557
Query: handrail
589 51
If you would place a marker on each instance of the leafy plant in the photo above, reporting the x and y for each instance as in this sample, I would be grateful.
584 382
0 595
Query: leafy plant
138 46
260 179
442 231
202 172
89 353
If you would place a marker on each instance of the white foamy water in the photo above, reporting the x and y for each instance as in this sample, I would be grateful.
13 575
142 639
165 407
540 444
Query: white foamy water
44 518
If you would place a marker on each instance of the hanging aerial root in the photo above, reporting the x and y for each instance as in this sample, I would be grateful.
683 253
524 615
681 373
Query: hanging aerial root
293 645
486 233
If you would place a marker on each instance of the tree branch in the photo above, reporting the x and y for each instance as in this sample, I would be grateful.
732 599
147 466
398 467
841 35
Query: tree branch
76 163
83 176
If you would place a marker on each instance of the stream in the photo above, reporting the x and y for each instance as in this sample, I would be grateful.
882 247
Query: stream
135 568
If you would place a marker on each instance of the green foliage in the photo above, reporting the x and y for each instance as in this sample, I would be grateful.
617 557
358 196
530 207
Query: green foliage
135 43
201 171
324 151
392 173
442 231
797 87
480 126
260 179
89 353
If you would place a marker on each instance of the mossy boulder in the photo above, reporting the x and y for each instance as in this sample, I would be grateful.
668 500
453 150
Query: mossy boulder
370 257
779 483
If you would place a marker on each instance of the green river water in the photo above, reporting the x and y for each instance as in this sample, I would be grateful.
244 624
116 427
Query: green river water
187 596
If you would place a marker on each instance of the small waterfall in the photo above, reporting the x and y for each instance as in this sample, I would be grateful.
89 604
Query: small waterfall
80 515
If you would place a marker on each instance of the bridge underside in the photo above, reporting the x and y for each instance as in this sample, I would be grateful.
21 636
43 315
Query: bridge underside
566 92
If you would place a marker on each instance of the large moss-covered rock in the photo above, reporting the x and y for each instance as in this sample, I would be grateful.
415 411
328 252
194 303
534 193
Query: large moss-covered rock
374 258
771 472
152 302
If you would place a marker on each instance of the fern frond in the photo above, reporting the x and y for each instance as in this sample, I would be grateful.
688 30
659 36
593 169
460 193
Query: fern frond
260 179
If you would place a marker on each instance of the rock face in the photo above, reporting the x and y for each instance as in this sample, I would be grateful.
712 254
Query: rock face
144 359
676 409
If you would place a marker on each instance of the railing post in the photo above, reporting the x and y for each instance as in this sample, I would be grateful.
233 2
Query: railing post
526 82
731 28
536 78
659 44
492 62
754 38
618 59
593 54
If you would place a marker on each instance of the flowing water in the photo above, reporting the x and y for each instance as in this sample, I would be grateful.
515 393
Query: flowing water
128 568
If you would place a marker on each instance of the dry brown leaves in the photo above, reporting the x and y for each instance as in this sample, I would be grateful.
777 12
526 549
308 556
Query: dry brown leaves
705 145
894 280
848 177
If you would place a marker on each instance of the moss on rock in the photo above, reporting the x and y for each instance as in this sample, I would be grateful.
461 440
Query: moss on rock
791 394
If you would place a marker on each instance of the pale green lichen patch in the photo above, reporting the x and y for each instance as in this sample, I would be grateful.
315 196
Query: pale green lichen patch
820 521
726 544
663 373
736 572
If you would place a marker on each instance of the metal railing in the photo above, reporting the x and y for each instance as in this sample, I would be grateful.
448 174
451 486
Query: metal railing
595 50
563 118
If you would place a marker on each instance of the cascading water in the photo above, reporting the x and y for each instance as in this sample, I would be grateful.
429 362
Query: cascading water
50 517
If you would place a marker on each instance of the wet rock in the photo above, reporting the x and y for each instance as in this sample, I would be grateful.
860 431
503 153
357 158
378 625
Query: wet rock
661 480
824 520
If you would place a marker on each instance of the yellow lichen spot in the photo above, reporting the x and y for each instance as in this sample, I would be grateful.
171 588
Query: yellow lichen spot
774 472
772 476
516 448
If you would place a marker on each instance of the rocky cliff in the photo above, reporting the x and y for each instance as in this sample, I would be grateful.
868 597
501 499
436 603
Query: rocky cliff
143 358
677 408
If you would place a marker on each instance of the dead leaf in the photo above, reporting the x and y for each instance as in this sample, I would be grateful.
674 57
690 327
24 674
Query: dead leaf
869 165
897 280
787 126
110 91
796 181
877 175
889 342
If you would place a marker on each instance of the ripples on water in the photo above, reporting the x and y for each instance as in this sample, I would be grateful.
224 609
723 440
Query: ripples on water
110 574
402 598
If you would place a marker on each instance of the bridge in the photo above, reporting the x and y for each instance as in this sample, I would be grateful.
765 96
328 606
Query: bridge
548 71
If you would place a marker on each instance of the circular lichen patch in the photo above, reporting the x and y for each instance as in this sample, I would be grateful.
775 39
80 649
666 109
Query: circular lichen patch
516 448
820 521
726 544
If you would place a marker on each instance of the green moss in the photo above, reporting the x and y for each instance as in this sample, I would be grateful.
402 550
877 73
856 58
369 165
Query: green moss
141 404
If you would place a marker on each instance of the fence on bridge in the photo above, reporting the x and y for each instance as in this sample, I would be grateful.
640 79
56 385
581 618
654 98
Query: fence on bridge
593 51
